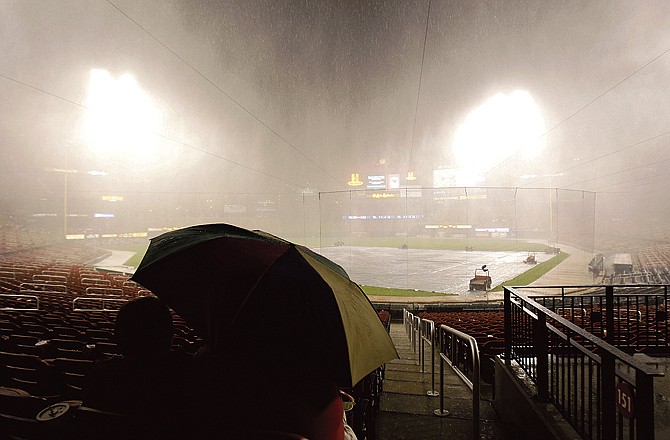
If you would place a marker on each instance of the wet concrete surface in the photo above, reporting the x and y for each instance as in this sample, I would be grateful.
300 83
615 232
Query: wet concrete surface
407 412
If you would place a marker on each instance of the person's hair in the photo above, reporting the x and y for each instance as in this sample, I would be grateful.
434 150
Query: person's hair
144 326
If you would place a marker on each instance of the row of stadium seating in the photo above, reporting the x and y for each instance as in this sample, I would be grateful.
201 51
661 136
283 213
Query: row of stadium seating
651 266
16 238
637 328
487 327
58 317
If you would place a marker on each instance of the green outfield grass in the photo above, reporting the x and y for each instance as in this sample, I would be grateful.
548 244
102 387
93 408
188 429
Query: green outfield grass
408 293
139 249
534 273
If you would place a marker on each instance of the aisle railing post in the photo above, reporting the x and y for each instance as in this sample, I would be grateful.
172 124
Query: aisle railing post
416 329
441 411
420 358
432 392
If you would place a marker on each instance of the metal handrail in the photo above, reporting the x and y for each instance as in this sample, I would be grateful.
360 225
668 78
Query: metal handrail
109 291
95 282
6 275
49 278
416 328
448 334
409 320
42 287
623 357
640 306
17 296
427 332
538 346
104 300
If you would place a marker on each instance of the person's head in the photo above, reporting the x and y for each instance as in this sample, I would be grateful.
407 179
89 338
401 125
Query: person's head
143 327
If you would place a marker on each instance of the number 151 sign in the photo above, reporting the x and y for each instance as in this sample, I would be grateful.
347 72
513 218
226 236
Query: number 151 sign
625 399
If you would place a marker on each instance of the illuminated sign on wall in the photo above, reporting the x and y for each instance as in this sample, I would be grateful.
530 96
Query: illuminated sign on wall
383 217
394 181
355 180
112 198
384 195
376 182
492 230
448 226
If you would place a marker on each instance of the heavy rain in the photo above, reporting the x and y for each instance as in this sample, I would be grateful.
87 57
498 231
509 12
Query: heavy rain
327 121
424 146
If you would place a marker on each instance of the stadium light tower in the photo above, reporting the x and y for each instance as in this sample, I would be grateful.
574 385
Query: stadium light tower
120 123
121 118
505 125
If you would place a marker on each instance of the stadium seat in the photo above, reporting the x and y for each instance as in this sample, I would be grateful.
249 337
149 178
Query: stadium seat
64 348
29 373
95 335
67 333
73 374
109 349
24 343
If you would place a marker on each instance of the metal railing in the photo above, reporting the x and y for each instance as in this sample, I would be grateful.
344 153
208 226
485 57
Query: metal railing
461 352
586 378
632 318
427 337
42 287
16 301
106 304
44 278
109 291
455 348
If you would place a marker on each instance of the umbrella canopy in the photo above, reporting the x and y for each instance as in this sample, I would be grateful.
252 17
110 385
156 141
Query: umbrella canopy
249 291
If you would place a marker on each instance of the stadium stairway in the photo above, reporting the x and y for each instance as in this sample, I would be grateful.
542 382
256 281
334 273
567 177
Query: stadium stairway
407 411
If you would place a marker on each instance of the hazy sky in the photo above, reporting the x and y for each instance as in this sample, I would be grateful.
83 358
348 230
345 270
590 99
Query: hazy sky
276 96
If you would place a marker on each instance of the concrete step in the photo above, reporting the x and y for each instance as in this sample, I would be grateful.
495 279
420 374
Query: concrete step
408 412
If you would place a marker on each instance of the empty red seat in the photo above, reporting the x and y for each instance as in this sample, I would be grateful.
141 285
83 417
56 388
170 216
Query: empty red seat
73 374
67 333
24 343
95 335
29 373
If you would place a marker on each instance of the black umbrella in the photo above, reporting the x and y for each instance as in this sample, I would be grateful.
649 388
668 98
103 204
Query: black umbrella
250 290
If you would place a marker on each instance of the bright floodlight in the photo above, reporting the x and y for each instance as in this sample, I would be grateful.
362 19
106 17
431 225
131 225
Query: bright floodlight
499 128
121 118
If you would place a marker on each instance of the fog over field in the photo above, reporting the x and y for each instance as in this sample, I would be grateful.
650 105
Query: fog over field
123 115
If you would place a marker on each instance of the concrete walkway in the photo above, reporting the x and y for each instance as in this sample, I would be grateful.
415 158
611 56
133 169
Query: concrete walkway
115 262
407 412
574 271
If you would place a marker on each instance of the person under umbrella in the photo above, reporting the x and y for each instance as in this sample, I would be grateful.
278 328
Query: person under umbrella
284 327
149 383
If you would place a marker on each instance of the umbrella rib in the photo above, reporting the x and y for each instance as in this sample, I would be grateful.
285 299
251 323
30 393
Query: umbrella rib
246 298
